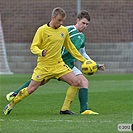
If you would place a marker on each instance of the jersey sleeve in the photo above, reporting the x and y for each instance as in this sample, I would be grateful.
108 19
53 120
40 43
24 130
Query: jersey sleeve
83 53
72 49
36 43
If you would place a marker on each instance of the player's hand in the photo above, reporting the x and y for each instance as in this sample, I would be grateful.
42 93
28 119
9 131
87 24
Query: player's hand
101 67
44 53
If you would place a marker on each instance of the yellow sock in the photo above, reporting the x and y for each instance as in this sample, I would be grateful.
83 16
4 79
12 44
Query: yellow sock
70 95
21 95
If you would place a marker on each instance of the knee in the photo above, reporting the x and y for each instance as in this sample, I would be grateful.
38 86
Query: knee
31 89
33 86
76 83
85 83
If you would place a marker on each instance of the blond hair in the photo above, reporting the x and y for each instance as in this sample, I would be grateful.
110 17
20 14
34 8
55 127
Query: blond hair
58 11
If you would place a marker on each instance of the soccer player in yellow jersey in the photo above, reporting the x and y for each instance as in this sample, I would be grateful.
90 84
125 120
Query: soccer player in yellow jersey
78 39
47 44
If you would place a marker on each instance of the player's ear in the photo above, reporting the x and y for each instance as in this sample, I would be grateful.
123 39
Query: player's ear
53 17
77 20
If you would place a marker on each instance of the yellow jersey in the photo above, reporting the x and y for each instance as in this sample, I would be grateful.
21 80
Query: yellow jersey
52 40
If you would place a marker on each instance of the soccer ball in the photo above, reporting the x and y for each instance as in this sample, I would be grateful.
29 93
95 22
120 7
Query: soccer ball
89 67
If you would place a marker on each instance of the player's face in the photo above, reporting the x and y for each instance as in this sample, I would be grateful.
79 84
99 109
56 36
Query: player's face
82 24
58 21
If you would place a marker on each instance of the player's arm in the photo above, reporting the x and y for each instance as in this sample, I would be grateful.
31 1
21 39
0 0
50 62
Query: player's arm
83 53
35 46
72 49
99 66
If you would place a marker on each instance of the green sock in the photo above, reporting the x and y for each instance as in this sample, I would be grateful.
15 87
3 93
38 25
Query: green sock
83 98
23 86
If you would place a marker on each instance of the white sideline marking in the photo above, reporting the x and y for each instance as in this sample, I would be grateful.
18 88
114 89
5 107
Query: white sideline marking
53 121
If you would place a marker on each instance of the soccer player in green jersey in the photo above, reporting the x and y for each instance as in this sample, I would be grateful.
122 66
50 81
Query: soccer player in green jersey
78 39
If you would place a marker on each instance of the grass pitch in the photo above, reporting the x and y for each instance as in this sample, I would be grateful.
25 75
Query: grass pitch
110 95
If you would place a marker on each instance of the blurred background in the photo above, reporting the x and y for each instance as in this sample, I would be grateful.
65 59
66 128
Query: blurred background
108 37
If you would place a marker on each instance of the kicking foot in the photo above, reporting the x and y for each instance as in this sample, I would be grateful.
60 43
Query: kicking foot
7 109
10 96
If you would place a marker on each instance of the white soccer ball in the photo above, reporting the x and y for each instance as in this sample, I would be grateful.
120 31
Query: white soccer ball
89 67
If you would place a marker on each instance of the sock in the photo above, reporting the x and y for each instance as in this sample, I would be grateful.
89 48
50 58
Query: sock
21 95
23 86
83 98
70 95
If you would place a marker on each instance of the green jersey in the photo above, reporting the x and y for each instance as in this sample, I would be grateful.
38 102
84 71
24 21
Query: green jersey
78 39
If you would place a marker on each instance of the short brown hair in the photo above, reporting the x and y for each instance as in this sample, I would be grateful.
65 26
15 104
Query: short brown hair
58 11
84 14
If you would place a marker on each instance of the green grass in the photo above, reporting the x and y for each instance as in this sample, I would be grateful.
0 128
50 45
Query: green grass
110 95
